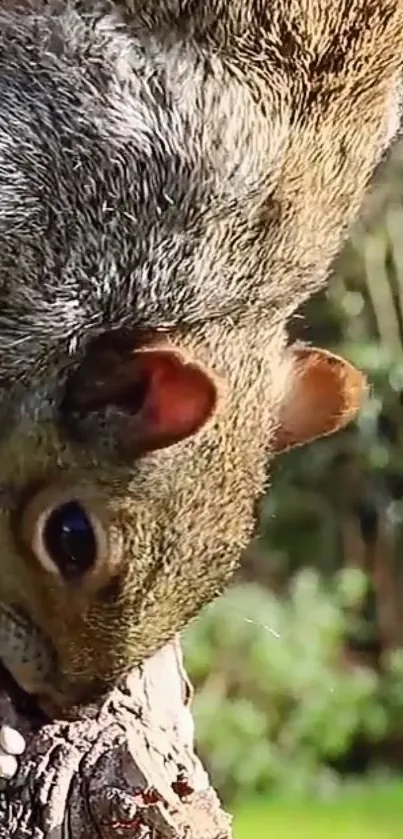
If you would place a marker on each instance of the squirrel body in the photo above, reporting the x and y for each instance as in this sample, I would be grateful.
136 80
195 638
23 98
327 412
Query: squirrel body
175 180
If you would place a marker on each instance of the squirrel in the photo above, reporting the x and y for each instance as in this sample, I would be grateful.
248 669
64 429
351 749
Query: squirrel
176 179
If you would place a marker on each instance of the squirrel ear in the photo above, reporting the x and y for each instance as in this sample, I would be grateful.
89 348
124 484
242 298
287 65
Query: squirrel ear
152 394
179 397
325 394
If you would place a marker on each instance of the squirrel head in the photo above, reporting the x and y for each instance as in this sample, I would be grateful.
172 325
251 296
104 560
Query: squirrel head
132 509
166 202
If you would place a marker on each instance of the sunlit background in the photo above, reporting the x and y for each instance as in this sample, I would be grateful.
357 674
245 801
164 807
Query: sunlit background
299 669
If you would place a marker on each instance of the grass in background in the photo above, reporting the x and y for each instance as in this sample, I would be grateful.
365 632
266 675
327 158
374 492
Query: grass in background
371 814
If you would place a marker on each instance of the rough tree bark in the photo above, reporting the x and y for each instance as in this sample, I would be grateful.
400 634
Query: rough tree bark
127 767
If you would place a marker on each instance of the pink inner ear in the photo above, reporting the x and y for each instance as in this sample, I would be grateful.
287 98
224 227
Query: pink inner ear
154 395
180 398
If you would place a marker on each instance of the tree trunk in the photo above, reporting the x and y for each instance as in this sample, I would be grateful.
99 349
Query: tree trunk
127 767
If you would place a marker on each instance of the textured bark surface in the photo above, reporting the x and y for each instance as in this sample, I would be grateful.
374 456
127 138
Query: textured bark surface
126 768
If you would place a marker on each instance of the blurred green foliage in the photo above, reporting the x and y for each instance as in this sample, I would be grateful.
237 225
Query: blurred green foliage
276 700
372 813
303 658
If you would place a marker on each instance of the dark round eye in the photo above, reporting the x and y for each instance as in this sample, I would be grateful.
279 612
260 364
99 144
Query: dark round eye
69 539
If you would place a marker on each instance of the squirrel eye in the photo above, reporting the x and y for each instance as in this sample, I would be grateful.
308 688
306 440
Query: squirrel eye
63 533
69 539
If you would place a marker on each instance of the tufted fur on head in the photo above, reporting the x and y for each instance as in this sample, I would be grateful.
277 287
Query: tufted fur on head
175 179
